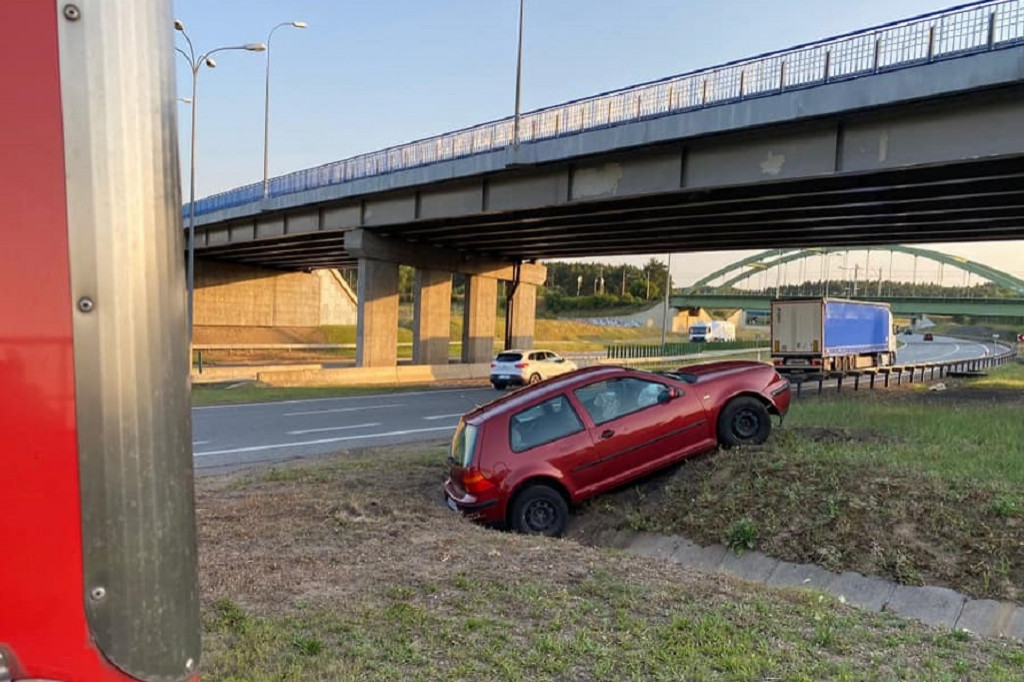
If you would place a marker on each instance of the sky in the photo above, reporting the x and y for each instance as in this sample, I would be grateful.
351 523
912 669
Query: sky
369 74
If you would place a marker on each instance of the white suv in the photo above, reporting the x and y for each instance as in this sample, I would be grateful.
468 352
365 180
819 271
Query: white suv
518 367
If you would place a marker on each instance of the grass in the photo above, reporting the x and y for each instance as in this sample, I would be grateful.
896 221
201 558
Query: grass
922 487
351 570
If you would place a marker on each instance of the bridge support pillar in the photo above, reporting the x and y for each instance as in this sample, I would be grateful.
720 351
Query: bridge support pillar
524 316
377 324
432 311
478 319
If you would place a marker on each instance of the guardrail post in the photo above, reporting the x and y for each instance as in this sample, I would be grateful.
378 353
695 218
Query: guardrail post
828 64
871 382
799 387
821 383
839 383
991 30
856 382
704 93
899 377
878 52
782 75
742 74
931 42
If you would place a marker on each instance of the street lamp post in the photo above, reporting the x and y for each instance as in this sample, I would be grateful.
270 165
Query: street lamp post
195 64
266 108
519 78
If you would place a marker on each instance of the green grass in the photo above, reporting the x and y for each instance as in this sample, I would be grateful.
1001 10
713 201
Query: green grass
1008 377
981 441
917 486
602 627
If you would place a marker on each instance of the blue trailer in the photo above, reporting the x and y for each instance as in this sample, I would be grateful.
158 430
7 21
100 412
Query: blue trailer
831 335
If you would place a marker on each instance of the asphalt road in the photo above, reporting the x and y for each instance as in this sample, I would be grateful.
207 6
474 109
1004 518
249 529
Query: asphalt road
229 436
233 436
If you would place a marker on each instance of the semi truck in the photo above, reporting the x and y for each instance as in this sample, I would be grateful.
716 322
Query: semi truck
831 335
711 331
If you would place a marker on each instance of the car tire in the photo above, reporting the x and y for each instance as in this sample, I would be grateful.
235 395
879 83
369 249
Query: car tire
539 510
743 421
536 378
498 385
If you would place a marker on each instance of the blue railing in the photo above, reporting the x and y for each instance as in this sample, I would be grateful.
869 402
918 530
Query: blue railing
966 29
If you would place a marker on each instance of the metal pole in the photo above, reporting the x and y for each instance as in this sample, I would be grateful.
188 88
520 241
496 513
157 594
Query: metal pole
192 205
266 108
266 122
519 77
668 288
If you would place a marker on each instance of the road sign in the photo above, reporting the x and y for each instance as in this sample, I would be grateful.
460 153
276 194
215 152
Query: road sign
1020 338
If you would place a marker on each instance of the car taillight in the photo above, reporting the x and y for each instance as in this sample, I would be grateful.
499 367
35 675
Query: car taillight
474 483
520 365
493 365
815 362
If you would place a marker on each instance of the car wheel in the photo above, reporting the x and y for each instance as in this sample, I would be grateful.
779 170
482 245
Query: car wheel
743 421
498 385
535 378
540 510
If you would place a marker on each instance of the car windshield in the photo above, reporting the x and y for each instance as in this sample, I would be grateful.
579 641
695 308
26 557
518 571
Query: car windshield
463 444
509 357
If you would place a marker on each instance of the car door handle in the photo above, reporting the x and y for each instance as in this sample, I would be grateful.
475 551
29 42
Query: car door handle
607 433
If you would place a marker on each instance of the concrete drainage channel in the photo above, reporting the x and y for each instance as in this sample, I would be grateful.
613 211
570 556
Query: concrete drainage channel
936 606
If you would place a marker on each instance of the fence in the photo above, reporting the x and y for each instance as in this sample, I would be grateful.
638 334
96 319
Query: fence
966 29
633 351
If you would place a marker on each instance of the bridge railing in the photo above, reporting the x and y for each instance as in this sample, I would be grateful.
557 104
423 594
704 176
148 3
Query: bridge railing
966 29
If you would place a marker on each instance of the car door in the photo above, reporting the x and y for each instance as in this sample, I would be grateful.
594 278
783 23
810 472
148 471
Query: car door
558 364
551 434
641 424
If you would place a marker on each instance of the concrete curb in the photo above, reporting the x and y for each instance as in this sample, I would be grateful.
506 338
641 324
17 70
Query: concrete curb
935 606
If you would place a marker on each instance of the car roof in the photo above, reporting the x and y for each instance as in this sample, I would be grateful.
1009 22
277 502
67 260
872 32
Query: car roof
525 350
545 389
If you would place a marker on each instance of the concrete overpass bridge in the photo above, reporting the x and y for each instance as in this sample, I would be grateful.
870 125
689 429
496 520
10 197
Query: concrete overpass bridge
903 133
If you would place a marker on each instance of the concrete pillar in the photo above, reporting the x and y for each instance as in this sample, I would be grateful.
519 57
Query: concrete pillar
377 324
478 319
524 315
432 312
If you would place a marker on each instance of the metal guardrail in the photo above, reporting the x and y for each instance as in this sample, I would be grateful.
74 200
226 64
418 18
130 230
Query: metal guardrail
962 30
899 373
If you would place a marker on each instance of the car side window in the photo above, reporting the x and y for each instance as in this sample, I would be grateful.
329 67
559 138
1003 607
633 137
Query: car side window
613 398
543 423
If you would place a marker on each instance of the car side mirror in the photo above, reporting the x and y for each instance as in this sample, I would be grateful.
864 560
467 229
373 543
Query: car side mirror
560 360
668 395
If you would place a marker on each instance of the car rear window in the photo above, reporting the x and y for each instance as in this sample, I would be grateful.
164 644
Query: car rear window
509 357
463 444
543 423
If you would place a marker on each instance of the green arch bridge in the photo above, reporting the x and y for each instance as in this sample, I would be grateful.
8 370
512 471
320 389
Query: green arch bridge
702 295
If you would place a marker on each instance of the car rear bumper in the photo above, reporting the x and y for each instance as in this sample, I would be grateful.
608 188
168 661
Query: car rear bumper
508 379
487 511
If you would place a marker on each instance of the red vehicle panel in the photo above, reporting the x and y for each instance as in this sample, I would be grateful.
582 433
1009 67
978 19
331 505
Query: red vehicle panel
523 459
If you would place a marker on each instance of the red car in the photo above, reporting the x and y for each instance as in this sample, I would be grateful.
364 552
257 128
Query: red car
523 460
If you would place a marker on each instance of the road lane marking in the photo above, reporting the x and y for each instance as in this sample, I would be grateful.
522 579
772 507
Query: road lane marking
303 401
333 428
200 442
342 409
319 441
443 416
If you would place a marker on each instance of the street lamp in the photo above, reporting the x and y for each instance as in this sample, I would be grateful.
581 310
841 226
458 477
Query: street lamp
519 78
195 63
266 108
